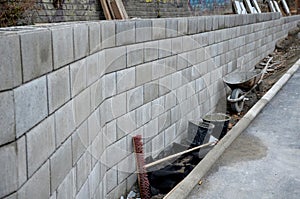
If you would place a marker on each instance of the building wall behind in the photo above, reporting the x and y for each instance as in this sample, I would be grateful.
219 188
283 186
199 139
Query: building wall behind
72 95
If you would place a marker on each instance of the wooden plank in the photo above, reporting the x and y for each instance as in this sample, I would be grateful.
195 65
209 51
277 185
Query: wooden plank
244 11
105 9
237 7
256 6
271 6
111 9
276 6
285 7
115 9
122 9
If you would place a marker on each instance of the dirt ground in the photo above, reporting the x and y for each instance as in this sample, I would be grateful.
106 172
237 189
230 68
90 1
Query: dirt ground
286 53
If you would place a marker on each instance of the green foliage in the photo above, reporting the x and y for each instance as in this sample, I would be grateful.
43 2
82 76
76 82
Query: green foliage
16 12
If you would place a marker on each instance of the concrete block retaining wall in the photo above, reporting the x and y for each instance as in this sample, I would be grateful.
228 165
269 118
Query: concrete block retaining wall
72 95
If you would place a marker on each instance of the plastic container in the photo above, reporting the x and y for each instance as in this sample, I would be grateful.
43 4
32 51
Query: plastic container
199 132
221 121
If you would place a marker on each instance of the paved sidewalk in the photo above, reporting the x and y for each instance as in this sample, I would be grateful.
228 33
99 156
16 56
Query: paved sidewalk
264 161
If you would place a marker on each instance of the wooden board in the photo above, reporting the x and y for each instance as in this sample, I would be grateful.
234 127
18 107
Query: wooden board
122 9
271 6
285 7
111 9
276 6
237 7
105 9
115 9
254 2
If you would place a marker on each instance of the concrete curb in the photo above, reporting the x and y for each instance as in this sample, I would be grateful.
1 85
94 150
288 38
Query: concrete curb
183 189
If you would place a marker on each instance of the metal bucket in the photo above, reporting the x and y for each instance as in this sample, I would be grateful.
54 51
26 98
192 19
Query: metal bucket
199 133
221 122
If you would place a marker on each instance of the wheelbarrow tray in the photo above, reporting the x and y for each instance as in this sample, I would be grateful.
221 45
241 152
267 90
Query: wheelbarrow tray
242 80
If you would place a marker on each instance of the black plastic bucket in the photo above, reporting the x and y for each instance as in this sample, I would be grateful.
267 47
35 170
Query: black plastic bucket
199 133
221 122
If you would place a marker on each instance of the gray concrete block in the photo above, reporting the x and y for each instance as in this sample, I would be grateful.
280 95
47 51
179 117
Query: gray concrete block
176 80
201 24
143 114
143 30
150 91
94 127
143 73
78 77
111 179
7 117
9 171
158 69
182 61
164 48
125 32
193 25
83 168
22 161
97 148
112 157
125 80
115 59
80 142
109 85
165 85
59 91
38 186
175 114
119 105
135 98
158 144
158 29
208 23
108 34
151 51
62 44
171 100
93 68
95 43
81 40
125 168
171 27
170 134
215 25
177 45
135 54
150 130
157 107
186 75
67 189
94 182
188 43
36 53
64 122
10 62
181 94
30 104
84 192
126 124
182 26
82 106
40 144
106 112
61 164
110 133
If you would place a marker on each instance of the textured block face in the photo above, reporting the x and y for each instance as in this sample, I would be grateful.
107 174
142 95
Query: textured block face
78 77
80 142
109 87
158 29
30 104
135 98
143 73
93 68
95 37
61 164
7 118
64 122
94 127
83 169
150 91
108 31
36 54
119 105
62 42
171 27
125 80
10 62
81 40
38 186
151 51
8 171
82 106
135 54
115 59
125 125
113 157
165 48
182 26
143 30
58 88
67 189
40 144
125 32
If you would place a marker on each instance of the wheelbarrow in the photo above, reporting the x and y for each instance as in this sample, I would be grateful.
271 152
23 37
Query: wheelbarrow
241 84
